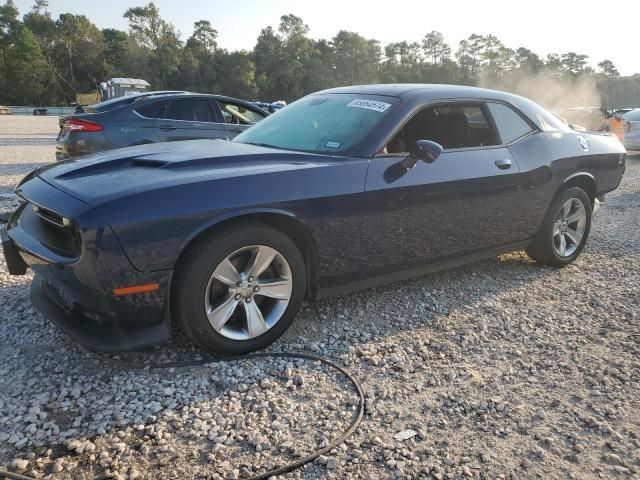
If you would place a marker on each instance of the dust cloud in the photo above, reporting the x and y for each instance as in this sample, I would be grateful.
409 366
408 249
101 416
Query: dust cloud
552 91
577 99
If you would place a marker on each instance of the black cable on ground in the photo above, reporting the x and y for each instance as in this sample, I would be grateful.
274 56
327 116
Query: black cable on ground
300 356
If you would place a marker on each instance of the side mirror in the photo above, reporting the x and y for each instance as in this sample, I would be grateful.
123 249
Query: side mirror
426 150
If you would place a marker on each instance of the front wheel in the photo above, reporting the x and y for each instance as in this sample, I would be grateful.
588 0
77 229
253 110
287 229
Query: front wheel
564 230
239 289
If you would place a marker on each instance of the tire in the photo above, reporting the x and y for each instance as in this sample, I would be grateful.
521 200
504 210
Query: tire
204 283
547 246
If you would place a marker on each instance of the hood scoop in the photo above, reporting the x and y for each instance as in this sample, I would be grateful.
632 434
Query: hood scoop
94 168
147 162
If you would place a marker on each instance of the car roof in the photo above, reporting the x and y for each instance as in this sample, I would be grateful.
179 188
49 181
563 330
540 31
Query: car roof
424 90
182 94
139 98
174 95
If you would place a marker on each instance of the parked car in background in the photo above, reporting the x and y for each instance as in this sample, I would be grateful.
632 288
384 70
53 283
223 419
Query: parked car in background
631 130
615 123
270 107
40 111
164 116
5 110
343 189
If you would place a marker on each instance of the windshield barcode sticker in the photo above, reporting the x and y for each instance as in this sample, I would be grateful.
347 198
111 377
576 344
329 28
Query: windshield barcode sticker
369 105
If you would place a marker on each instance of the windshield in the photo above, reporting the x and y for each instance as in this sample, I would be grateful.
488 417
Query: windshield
632 116
322 123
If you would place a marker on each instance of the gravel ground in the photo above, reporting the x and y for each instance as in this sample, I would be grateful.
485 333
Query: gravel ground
502 369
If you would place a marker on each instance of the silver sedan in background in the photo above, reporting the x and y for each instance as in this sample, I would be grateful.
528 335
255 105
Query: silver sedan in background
631 130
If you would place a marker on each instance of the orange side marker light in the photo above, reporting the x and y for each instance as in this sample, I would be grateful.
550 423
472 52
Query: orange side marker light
149 287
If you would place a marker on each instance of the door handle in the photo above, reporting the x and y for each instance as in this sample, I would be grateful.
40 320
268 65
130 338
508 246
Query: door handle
503 164
167 128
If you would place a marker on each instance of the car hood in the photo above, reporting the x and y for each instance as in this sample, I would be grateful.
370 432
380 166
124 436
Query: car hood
135 169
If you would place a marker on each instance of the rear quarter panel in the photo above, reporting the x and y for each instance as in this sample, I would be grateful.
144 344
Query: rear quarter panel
548 159
124 127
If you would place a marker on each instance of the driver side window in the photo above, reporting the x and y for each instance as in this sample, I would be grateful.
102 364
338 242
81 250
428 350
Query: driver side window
451 125
238 114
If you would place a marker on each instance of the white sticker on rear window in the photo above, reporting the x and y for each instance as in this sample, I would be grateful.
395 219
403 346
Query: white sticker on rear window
369 105
332 144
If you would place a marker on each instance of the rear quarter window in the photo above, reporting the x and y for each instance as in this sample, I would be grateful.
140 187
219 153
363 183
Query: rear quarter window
510 124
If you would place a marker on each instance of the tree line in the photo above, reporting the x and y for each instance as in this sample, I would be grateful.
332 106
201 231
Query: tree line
46 60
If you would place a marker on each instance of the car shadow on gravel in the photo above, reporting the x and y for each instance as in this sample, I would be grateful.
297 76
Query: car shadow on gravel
418 304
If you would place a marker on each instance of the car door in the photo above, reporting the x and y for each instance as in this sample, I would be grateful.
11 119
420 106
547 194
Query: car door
188 119
462 203
238 116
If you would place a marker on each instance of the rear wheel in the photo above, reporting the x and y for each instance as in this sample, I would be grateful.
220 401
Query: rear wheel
564 230
238 290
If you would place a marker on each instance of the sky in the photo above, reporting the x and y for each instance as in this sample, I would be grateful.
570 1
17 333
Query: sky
544 26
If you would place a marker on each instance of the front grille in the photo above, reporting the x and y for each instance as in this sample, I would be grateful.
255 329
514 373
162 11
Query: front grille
50 216
58 233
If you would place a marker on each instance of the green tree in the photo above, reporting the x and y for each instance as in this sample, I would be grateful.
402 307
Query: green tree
236 74
204 37
435 48
197 69
267 55
356 59
116 46
554 63
574 63
525 59
79 52
467 62
23 66
281 58
608 68
151 32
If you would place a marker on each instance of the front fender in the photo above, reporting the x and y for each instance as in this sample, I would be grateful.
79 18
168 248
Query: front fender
154 227
242 214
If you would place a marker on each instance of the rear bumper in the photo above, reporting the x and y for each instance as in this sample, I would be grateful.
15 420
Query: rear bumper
79 144
631 143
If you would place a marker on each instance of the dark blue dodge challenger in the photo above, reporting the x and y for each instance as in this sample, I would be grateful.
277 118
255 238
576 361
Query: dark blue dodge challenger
346 188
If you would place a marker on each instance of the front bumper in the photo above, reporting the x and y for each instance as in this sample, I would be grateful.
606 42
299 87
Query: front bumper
118 335
15 264
77 294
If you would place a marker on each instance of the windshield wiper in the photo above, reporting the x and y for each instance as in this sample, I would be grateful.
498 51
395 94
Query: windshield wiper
260 144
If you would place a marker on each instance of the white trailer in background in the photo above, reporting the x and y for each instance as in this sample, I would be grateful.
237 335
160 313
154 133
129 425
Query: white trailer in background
122 87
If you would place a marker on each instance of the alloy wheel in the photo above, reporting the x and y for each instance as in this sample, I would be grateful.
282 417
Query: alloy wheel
248 292
569 227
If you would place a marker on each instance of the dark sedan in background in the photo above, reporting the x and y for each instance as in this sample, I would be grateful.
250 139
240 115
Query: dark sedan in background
152 117
343 189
